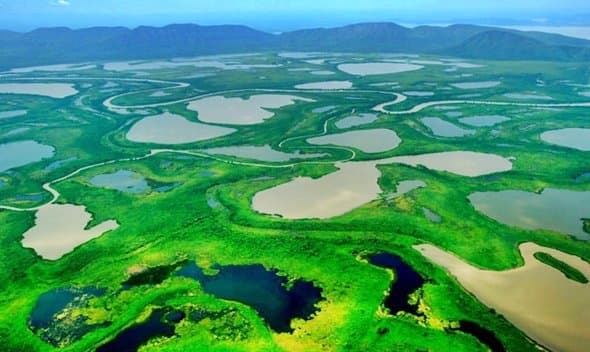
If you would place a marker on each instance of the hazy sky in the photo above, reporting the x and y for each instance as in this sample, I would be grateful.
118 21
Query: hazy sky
278 14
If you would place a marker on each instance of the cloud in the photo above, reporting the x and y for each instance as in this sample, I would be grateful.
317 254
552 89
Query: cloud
62 2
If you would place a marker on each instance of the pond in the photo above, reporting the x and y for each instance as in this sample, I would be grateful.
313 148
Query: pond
59 163
431 216
328 85
557 319
12 113
406 281
60 228
485 336
328 196
240 111
16 154
527 96
442 128
404 187
464 163
416 93
368 141
169 128
53 315
262 153
378 68
356 120
52 90
483 120
122 180
132 338
323 109
263 290
476 85
557 210
575 138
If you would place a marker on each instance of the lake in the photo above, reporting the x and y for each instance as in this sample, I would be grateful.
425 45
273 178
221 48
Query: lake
378 68
263 290
368 141
483 120
12 113
331 195
356 120
528 96
575 138
122 180
262 153
442 128
169 128
476 85
16 154
60 228
557 318
557 210
327 85
52 90
240 111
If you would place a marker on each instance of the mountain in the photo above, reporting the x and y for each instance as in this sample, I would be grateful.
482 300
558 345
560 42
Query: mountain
63 45
506 45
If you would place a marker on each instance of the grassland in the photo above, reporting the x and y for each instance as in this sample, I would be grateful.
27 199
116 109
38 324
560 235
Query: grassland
209 218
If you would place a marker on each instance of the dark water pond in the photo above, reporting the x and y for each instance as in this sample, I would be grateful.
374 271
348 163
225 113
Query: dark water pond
131 339
261 289
485 336
405 283
51 319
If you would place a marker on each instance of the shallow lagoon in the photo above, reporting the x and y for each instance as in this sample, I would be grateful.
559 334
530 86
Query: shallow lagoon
262 153
60 228
122 180
16 154
553 318
261 289
169 128
442 128
476 85
356 120
52 90
368 141
378 68
576 138
238 111
483 120
12 113
554 209
327 85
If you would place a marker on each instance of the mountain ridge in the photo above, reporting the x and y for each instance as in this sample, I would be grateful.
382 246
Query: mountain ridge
57 45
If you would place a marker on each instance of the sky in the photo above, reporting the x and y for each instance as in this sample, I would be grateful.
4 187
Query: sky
281 15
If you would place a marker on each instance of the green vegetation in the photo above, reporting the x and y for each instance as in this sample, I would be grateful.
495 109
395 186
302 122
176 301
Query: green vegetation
208 218
567 270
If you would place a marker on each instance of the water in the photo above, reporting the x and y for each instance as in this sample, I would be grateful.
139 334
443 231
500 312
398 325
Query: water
528 96
122 180
406 282
356 120
12 113
131 339
172 129
16 154
575 138
442 128
54 319
328 85
404 187
432 216
323 109
378 68
239 111
476 85
484 120
554 209
262 153
368 141
57 164
52 90
261 289
485 336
